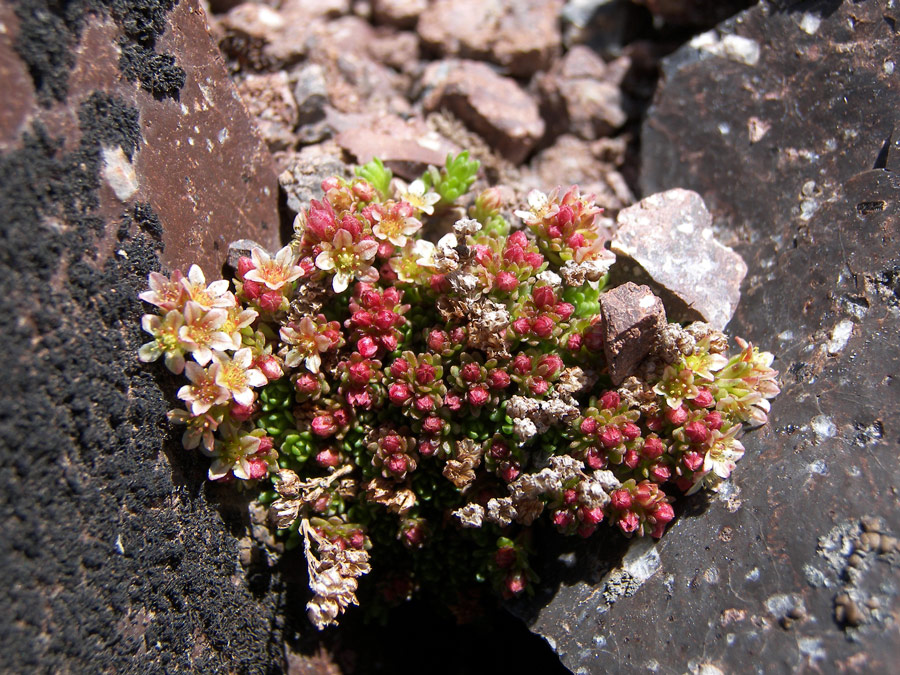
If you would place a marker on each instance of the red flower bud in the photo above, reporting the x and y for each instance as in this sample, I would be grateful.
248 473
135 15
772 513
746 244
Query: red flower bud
610 400
588 425
506 282
437 340
703 399
664 513
323 425
564 309
367 347
425 373
478 396
364 190
399 393
504 557
653 448
458 335
565 215
573 344
499 450
655 423
242 413
515 584
542 327
676 416
252 289
517 238
610 436
328 458
630 431
543 296
399 368
265 444
713 420
509 471
497 379
244 265
391 296
471 372
538 386
514 255
660 473
631 459
576 240
521 325
359 373
439 283
534 259
357 539
257 468
629 522
453 401
397 463
693 460
696 432
549 365
644 494
595 460
341 417
569 497
562 519
389 342
427 448
307 383
424 404
620 499
385 319
591 516
521 364
432 424
270 301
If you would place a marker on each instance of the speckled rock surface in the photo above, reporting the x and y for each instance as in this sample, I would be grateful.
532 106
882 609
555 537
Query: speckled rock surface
116 559
632 320
669 237
786 570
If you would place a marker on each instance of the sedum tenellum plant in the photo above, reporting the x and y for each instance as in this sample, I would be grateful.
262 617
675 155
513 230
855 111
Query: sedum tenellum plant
420 405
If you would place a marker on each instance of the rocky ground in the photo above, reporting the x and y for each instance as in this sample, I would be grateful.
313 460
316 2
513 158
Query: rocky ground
152 133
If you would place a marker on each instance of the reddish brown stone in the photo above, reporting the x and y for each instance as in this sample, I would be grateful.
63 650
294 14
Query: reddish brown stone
400 13
493 106
271 104
632 320
521 35
670 237
14 75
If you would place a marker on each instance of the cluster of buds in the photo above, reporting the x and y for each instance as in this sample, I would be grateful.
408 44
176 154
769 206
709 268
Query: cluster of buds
417 396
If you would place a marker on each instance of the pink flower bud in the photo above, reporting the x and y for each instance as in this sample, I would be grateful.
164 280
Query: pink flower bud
357 539
367 347
630 431
521 364
424 404
471 372
534 259
257 468
270 367
693 460
265 444
562 519
478 396
414 536
610 436
696 432
323 425
385 319
543 296
565 215
509 471
564 310
595 460
432 425
620 499
270 301
425 373
499 450
664 513
569 497
504 557
385 250
660 473
399 368
703 399
252 289
399 393
427 448
593 338
453 401
437 340
439 283
458 335
359 373
676 416
573 344
341 417
576 240
364 190
514 255
713 420
244 265
653 448
351 224
389 342
655 423
631 459
483 255
629 522
391 296
330 183
592 516
644 494
610 400
370 298
515 584
517 238
521 325
498 379
398 464
538 386
328 458
588 425
549 365
506 282
307 383
242 413
542 327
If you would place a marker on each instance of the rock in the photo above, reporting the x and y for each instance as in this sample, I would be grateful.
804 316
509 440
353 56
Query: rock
310 93
399 13
242 248
521 35
633 318
604 24
303 172
670 237
582 95
593 167
822 293
405 147
270 102
493 106
122 561
396 49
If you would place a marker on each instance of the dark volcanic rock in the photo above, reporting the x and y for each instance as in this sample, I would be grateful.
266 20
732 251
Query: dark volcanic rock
669 236
695 12
114 556
632 320
781 572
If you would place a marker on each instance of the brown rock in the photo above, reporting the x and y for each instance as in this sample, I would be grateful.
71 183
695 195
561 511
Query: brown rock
521 35
406 147
14 76
493 106
593 167
400 13
669 235
271 104
583 95
632 320
396 49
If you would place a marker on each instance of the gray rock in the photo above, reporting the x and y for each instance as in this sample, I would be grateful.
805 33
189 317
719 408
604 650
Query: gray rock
632 320
311 93
242 248
270 103
302 180
493 106
670 237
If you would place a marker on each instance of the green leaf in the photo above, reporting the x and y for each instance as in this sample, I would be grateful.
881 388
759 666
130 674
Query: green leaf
378 175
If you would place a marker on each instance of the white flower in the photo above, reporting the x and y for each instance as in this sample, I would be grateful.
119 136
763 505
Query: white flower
233 454
420 200
167 294
307 344
537 205
348 260
274 273
165 332
201 332
203 392
237 377
208 297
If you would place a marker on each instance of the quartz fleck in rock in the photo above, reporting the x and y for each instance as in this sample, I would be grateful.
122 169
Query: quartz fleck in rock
669 235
